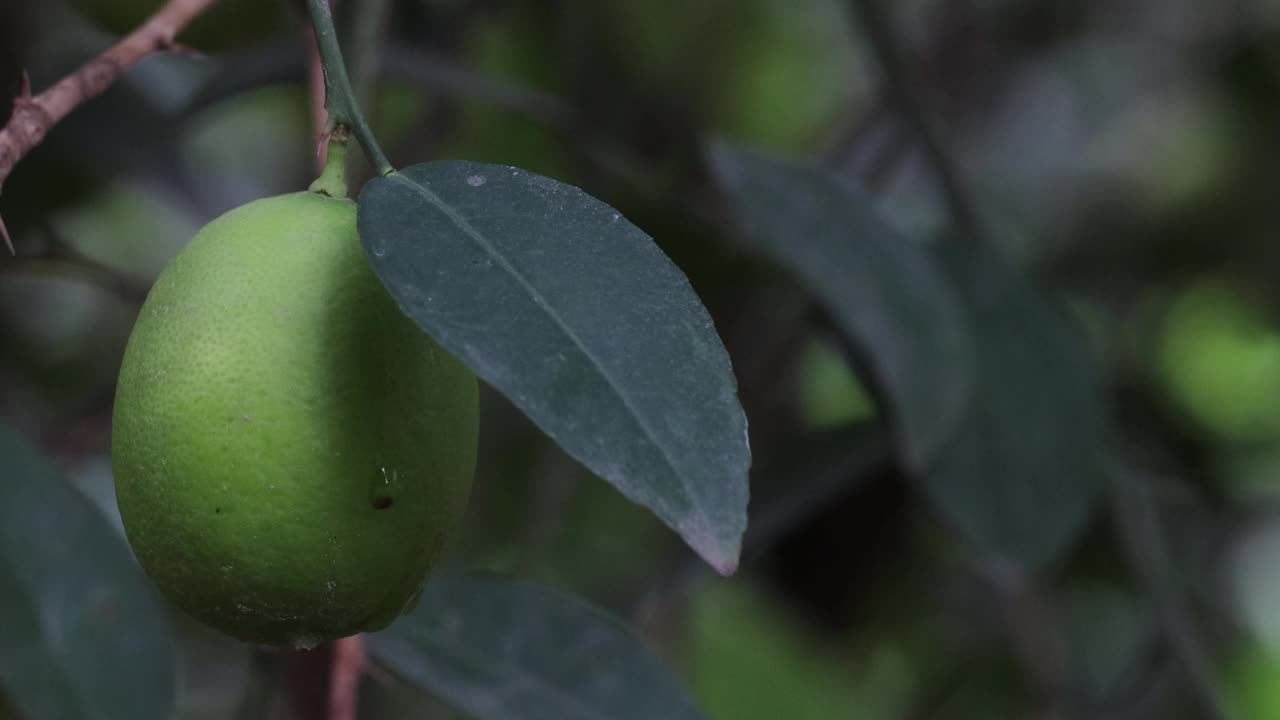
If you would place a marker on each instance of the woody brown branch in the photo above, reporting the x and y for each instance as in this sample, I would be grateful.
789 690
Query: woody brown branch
34 116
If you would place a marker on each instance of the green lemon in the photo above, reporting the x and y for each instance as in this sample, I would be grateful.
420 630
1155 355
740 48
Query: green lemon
290 451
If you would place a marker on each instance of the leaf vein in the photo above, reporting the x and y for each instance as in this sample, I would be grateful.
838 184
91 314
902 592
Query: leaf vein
478 237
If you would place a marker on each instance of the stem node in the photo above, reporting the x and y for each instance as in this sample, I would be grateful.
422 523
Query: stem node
339 97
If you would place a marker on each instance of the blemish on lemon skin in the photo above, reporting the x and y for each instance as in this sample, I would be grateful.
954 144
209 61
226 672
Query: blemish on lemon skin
380 489
476 180
287 250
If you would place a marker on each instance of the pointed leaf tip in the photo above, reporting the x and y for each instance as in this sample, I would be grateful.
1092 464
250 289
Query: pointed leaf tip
718 547
573 313
726 566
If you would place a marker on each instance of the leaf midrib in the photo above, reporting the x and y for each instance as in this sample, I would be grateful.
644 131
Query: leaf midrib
479 239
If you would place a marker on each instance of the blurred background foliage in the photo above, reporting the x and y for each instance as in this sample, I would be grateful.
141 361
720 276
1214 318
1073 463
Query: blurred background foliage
1123 153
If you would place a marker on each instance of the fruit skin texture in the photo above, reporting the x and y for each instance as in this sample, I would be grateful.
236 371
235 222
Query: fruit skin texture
290 451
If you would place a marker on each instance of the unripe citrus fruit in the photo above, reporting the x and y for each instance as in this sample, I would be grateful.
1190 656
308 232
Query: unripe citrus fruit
290 451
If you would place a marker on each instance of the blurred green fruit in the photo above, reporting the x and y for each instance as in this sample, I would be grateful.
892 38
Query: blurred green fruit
1220 359
290 451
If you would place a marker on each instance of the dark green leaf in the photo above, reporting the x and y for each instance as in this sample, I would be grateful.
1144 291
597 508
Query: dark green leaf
574 314
1022 474
502 649
83 637
885 292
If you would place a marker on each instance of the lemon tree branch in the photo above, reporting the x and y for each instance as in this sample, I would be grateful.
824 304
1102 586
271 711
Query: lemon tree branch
340 98
34 116
875 24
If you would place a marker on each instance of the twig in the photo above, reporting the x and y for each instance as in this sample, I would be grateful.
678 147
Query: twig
879 33
368 28
1147 547
339 97
344 681
315 90
34 116
368 23
1036 638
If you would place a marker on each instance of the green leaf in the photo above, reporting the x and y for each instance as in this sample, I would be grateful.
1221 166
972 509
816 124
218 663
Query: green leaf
502 649
886 293
83 635
573 313
1021 476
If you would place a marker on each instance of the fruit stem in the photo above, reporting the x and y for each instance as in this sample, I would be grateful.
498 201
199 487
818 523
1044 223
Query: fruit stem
339 97
333 181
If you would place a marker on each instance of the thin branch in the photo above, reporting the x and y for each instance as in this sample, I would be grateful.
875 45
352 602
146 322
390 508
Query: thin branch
315 92
34 116
369 26
344 680
1147 546
1035 636
340 98
368 22
875 25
